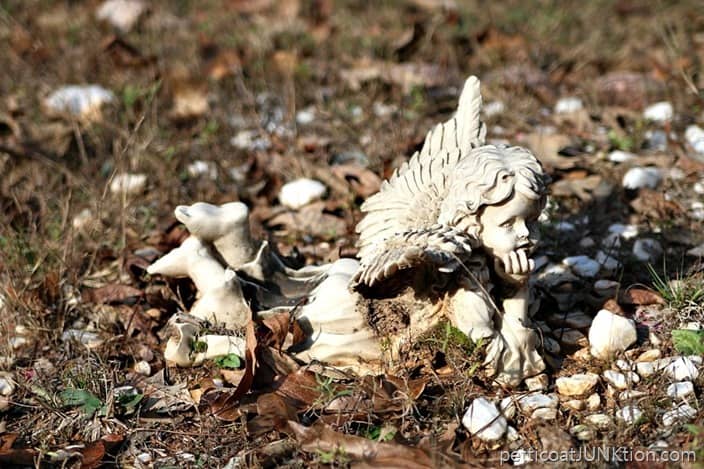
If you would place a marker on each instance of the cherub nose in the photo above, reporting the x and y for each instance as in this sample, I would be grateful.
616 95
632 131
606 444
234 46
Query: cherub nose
522 230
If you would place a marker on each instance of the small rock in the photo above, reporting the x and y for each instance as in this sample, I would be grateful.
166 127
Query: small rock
129 184
623 365
642 178
647 250
587 242
83 101
89 339
577 385
18 342
83 220
202 168
594 402
608 263
584 266
564 226
656 140
696 359
582 432
629 414
305 116
250 140
383 110
682 369
512 434
692 326
618 156
144 458
649 355
658 112
624 231
575 404
483 420
7 386
143 368
530 402
695 137
551 345
680 390
537 383
578 320
568 105
680 414
301 192
493 108
544 413
121 14
507 407
630 394
620 380
600 421
606 287
610 334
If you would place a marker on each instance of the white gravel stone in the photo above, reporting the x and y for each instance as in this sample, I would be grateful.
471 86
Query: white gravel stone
530 402
619 380
659 112
202 168
143 368
512 434
682 369
568 104
301 192
575 404
629 414
493 108
583 266
483 420
695 137
564 226
144 458
83 220
84 101
121 14
624 231
130 184
594 402
577 385
600 421
7 386
544 413
582 432
610 334
507 407
305 116
537 383
250 140
680 414
619 156
88 338
629 394
647 250
649 355
680 390
642 178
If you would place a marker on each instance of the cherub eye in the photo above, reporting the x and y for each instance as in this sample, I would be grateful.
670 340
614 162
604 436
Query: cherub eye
508 223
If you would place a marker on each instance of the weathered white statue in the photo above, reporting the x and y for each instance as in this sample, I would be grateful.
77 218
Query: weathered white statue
448 236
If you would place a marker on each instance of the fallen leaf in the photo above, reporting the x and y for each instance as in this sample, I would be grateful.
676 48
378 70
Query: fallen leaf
547 147
113 294
18 456
629 89
123 54
654 205
93 455
362 181
278 326
190 101
640 297
407 75
586 189
273 413
310 219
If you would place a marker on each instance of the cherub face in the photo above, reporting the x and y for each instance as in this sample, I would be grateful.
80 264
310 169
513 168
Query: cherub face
510 226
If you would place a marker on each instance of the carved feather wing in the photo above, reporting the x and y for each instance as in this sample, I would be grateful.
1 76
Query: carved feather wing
408 204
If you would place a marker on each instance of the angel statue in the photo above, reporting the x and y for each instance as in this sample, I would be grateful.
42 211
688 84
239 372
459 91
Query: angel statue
448 236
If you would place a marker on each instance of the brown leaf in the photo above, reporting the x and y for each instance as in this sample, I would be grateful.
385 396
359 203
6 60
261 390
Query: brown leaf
300 389
115 293
311 220
629 89
19 456
613 306
406 75
321 438
278 326
547 146
250 6
362 181
124 54
640 297
273 414
653 204
93 455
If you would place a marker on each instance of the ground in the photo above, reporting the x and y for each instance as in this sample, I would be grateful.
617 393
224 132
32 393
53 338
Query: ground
228 100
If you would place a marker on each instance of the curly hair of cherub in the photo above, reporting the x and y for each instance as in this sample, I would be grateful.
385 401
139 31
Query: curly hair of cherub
490 175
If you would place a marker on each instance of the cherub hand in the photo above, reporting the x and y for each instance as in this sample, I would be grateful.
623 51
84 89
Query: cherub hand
514 267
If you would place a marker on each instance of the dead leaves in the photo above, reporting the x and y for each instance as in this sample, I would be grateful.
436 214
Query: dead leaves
405 75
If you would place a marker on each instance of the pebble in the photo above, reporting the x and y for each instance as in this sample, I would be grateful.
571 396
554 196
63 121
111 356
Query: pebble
570 337
144 458
83 220
642 178
695 137
383 110
578 320
575 404
600 421
551 345
537 383
202 168
88 338
629 414
699 187
129 184
577 385
608 263
568 105
121 14
483 420
623 365
682 413
512 434
587 242
493 108
606 287
624 231
305 116
298 193
682 369
647 250
619 156
584 266
630 394
582 432
659 112
620 381
544 413
530 402
84 101
594 402
649 355
656 140
7 386
18 342
610 334
507 407
250 140
143 368
680 390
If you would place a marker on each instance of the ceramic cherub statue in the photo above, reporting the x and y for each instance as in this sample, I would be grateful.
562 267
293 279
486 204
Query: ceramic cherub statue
450 235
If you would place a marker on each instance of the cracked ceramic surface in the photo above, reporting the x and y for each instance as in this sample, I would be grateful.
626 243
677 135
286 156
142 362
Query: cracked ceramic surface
455 226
